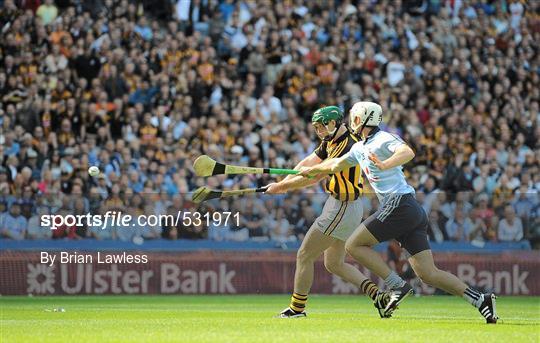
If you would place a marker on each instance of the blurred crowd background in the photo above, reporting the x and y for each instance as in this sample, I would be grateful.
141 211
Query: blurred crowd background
141 88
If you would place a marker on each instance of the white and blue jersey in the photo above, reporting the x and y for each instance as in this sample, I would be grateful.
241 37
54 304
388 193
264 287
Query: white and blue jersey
400 216
385 183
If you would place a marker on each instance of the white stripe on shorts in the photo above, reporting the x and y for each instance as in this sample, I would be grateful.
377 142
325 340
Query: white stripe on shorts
386 207
394 203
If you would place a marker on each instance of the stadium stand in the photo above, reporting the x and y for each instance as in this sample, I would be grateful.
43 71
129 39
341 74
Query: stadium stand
141 90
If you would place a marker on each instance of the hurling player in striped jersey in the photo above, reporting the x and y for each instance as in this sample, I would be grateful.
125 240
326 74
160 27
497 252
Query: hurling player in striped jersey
338 219
381 156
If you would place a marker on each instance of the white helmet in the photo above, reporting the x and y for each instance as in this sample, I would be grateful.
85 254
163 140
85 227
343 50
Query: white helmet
370 114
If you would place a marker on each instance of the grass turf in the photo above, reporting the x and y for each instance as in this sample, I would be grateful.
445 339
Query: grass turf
250 319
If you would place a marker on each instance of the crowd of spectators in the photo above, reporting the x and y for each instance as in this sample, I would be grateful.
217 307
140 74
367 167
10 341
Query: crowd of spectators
142 88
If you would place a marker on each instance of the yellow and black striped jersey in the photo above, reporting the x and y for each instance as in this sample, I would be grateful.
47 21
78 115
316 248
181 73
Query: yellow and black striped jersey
347 184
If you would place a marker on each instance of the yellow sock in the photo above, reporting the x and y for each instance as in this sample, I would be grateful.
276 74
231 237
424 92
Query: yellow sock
298 302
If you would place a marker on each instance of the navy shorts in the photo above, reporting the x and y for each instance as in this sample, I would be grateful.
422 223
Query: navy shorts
403 219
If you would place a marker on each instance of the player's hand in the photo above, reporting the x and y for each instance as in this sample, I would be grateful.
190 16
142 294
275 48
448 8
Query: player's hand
380 164
274 188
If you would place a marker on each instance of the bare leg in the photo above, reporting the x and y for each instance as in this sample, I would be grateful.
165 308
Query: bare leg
314 244
334 261
359 246
424 266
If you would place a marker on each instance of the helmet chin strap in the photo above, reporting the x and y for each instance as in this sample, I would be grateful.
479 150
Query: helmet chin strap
362 127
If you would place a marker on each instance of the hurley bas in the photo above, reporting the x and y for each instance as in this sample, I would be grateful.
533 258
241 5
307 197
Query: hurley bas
65 257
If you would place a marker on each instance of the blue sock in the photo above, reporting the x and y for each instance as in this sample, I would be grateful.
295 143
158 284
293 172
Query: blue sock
394 281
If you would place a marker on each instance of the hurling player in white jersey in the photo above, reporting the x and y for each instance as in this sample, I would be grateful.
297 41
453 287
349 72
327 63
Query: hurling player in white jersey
381 155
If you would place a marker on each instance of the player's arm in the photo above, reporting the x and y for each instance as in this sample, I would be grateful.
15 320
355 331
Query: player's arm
402 155
330 166
335 165
310 160
292 182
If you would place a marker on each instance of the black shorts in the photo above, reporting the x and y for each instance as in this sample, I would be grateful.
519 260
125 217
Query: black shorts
403 219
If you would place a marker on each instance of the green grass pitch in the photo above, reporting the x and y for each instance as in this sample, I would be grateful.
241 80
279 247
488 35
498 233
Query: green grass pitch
222 318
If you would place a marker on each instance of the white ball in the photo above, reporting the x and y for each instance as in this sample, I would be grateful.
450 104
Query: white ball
93 171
